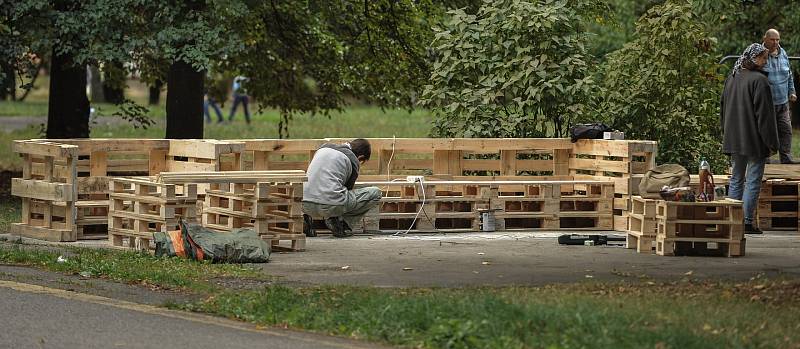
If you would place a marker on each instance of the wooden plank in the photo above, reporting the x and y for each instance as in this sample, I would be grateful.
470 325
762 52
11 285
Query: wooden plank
157 162
203 148
97 163
599 165
45 148
41 233
181 166
42 190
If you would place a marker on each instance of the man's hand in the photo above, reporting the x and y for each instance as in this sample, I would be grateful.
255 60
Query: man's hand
792 97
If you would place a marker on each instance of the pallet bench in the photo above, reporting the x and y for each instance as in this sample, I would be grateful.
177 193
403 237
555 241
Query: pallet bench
700 228
517 205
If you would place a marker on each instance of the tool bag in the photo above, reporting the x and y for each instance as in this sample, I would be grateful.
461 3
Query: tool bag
199 243
588 131
670 175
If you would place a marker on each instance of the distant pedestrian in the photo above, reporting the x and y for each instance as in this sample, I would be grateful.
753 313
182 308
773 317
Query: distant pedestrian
750 132
240 96
210 102
782 83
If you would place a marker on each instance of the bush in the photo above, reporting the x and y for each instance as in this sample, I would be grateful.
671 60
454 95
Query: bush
514 69
664 86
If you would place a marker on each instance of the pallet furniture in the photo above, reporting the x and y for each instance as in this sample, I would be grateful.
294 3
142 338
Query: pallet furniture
621 161
700 228
48 191
98 160
140 206
267 201
779 205
642 225
516 205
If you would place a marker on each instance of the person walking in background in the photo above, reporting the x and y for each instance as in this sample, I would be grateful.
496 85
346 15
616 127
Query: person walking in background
240 96
209 101
750 131
783 92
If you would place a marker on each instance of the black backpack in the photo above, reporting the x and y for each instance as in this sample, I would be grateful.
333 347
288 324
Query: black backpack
588 131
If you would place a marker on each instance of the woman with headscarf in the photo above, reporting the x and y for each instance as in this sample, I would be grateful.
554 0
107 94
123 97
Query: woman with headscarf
750 131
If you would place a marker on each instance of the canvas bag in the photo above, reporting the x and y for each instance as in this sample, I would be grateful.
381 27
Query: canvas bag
672 175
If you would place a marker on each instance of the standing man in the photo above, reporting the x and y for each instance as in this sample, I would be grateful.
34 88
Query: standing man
240 96
329 191
750 133
782 83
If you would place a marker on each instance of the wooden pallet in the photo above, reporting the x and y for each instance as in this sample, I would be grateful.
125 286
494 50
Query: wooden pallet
778 207
686 228
139 207
47 190
642 225
517 205
272 209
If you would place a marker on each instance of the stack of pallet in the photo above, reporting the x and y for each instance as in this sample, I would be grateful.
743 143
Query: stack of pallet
642 225
267 201
139 207
555 205
623 162
778 207
47 190
700 228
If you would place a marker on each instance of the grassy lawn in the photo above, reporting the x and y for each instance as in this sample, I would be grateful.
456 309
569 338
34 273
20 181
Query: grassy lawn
356 121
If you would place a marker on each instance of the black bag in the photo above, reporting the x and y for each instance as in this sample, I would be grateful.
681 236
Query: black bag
588 131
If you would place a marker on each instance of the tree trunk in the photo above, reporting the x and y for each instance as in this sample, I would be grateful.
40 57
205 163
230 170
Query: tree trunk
155 93
8 86
68 106
96 86
114 82
184 101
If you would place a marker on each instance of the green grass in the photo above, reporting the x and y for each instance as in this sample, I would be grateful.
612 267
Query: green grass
129 267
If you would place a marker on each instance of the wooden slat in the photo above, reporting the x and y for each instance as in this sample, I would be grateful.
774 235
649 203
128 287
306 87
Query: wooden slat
203 148
45 148
42 190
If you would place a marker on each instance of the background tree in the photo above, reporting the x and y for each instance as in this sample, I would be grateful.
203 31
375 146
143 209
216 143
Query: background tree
313 56
664 86
514 69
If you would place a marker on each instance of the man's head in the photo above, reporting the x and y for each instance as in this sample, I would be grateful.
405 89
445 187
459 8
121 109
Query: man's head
361 148
772 40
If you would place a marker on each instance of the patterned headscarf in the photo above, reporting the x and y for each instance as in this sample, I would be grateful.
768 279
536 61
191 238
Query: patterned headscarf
748 56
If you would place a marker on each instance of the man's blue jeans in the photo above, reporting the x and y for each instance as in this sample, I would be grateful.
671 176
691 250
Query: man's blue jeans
745 183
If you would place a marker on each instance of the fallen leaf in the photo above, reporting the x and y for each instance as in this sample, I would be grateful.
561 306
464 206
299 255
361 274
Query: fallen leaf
346 267
485 263
688 273
759 287
589 276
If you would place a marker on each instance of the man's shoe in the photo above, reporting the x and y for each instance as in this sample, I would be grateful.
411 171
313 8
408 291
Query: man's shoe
338 227
790 162
750 229
308 226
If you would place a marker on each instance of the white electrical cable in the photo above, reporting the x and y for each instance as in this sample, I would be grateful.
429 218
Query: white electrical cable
421 207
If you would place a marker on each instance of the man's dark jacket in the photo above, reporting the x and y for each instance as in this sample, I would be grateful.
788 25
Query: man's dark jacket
748 116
